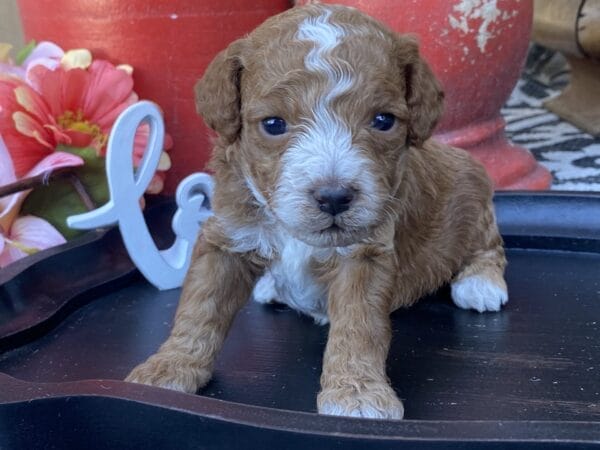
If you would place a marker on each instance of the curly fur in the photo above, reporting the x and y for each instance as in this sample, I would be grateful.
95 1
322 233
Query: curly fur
422 215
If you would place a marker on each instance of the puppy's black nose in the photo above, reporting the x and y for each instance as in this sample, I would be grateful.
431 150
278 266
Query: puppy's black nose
334 200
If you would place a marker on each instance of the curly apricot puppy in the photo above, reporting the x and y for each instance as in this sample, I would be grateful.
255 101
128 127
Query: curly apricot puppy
329 197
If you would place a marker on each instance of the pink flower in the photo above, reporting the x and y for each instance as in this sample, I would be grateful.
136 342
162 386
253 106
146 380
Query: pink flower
20 236
74 107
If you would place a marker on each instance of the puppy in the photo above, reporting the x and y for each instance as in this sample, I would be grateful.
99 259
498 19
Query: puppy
328 187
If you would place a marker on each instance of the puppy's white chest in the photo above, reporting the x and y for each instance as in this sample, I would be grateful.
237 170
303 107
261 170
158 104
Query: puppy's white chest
289 280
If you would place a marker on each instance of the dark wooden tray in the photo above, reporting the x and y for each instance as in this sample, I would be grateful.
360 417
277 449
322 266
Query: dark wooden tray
80 318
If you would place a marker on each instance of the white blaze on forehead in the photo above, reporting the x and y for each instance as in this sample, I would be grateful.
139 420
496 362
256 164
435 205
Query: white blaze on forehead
322 152
326 36
324 148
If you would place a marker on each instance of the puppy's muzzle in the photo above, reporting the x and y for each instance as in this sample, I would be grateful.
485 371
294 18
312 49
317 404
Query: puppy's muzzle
334 200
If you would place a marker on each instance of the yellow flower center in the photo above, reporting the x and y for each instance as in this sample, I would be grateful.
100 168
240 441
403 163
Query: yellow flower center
75 121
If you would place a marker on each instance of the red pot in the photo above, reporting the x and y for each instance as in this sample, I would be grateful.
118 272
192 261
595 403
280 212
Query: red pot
477 50
169 44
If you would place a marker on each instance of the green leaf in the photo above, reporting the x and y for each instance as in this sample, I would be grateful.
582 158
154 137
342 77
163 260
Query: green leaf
59 199
25 52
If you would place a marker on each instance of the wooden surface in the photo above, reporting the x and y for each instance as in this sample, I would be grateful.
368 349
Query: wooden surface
538 359
486 380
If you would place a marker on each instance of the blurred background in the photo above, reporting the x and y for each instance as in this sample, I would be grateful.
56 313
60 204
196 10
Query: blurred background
10 25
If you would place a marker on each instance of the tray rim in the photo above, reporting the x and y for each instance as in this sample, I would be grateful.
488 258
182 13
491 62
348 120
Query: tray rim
288 421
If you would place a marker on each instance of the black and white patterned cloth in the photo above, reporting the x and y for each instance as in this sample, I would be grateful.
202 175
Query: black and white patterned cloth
572 155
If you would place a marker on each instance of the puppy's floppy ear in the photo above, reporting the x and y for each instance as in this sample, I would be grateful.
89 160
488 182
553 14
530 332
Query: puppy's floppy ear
424 95
218 98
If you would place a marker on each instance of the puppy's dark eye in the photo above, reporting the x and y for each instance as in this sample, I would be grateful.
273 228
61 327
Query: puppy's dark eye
274 126
383 121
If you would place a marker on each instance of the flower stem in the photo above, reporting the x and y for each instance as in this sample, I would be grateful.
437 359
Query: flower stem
82 192
44 178
32 182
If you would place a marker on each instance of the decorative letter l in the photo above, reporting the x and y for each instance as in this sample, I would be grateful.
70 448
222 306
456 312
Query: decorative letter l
165 269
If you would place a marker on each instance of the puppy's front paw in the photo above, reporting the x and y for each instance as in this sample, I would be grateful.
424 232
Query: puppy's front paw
480 293
170 371
375 401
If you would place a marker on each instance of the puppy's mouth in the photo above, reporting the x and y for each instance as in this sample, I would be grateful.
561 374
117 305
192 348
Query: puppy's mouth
326 231
333 228
334 235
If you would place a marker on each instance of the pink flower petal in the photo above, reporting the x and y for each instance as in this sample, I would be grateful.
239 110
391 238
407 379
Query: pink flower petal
8 100
28 234
44 50
12 70
11 80
25 152
35 233
7 170
141 140
106 121
47 63
29 127
35 76
74 83
10 254
9 209
9 205
55 160
49 84
109 87
32 102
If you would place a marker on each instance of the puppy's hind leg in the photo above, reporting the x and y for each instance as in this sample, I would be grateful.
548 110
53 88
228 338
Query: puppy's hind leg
480 284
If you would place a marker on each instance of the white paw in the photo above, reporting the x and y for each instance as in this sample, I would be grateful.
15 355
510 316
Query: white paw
374 401
264 292
479 293
364 410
